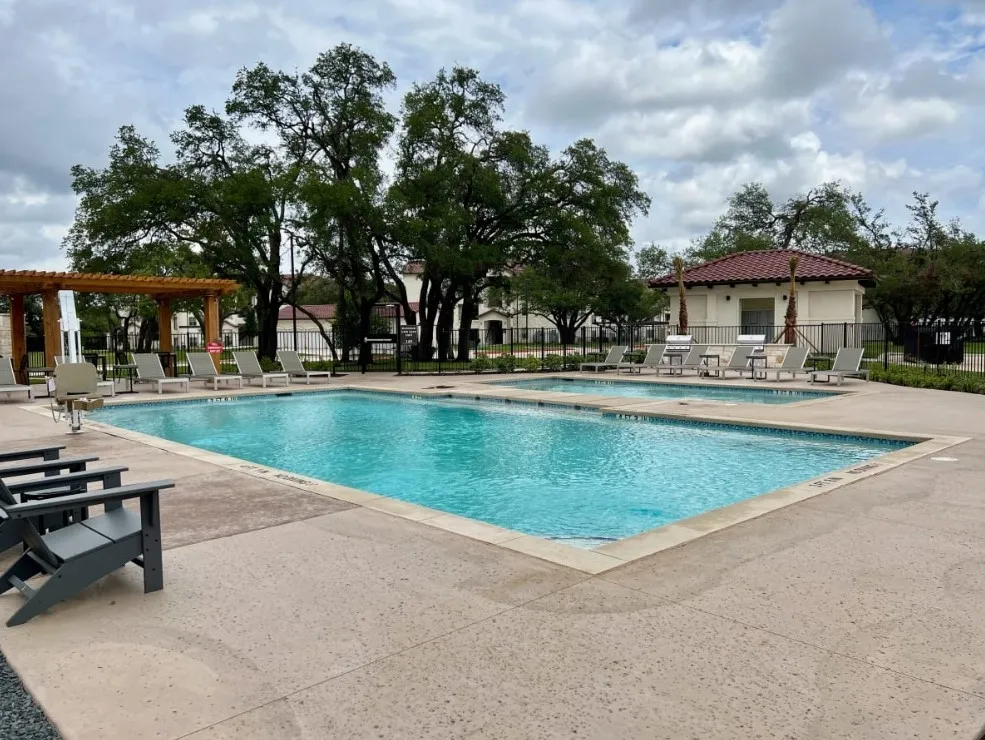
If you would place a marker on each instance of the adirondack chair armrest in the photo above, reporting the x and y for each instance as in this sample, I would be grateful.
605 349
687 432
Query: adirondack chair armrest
89 498
48 466
46 453
71 479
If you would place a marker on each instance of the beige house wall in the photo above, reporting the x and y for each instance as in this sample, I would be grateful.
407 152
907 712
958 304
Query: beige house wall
835 302
5 347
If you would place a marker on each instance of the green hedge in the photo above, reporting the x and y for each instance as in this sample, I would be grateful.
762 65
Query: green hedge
915 377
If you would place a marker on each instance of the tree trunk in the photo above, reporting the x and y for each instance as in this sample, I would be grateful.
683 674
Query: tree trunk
430 300
469 305
267 325
446 322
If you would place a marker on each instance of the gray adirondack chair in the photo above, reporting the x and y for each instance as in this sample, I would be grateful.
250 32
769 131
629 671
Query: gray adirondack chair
83 552
249 367
50 486
291 362
202 368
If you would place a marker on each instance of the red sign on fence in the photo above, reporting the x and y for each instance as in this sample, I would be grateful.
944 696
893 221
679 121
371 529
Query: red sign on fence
214 348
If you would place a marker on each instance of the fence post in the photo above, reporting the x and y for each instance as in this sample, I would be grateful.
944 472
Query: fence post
511 340
543 346
583 341
399 363
844 340
885 346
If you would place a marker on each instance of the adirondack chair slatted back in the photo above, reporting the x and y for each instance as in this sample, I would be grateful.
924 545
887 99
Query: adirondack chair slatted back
248 363
848 360
795 358
201 364
291 361
148 366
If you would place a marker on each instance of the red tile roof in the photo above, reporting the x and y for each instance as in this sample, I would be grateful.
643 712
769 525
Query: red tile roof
326 312
769 265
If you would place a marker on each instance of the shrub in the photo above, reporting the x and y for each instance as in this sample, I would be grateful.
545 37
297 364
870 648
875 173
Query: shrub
505 363
530 364
916 377
269 366
574 361
319 365
553 363
481 363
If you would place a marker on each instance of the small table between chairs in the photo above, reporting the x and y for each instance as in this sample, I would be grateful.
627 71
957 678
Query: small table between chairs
707 369
758 372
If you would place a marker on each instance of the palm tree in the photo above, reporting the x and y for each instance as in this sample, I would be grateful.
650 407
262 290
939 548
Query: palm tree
682 314
790 320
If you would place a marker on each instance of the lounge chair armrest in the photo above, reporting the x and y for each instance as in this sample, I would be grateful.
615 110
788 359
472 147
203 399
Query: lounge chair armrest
89 498
71 479
30 454
48 466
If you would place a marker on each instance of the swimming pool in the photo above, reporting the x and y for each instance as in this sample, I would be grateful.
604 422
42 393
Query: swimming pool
636 389
580 477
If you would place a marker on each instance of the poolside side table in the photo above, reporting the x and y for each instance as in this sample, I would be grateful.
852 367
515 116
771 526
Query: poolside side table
676 359
131 369
706 362
758 365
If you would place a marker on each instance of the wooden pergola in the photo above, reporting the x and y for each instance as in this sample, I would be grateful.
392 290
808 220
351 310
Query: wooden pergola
18 283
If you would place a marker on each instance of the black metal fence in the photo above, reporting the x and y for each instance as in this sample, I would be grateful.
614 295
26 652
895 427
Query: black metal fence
936 348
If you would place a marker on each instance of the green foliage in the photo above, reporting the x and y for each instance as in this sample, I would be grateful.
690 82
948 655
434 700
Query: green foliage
269 365
505 363
553 363
319 365
915 377
481 363
530 364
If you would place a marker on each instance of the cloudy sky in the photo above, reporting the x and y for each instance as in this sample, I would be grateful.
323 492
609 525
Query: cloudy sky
699 96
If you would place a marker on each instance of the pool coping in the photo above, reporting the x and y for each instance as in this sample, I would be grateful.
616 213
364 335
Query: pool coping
590 561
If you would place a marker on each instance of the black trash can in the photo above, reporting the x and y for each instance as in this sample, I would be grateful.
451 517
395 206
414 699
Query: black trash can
934 345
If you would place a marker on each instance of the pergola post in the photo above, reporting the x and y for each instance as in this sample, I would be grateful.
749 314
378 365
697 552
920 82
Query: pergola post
51 314
164 324
18 330
211 327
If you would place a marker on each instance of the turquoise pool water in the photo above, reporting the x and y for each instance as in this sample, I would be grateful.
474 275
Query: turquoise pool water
629 388
574 476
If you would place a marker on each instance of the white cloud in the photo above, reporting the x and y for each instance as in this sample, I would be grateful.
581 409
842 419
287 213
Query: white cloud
700 97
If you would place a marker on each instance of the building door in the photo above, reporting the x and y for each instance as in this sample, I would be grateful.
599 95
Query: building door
494 332
758 316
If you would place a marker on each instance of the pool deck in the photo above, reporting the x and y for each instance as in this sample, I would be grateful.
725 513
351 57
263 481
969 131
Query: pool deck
291 613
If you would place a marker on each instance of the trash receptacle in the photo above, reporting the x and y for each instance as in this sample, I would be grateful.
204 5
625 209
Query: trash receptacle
934 345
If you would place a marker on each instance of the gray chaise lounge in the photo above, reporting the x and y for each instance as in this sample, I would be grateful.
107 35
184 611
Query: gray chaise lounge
613 359
8 381
202 368
793 362
249 367
291 362
847 364
149 370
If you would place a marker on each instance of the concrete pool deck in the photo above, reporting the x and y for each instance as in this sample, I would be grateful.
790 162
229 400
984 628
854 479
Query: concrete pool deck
289 614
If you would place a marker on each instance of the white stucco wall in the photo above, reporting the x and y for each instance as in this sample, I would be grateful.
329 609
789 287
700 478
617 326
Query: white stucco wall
835 302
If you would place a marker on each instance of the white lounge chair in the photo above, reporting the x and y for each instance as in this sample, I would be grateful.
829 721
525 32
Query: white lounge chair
613 359
653 358
291 362
202 368
692 361
8 381
107 385
249 367
847 364
793 362
739 362
149 370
